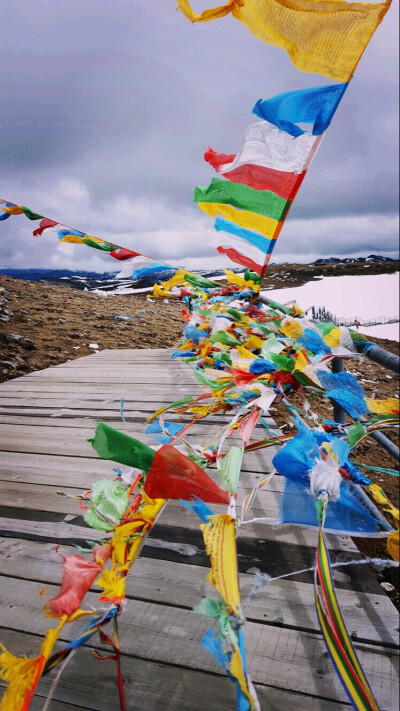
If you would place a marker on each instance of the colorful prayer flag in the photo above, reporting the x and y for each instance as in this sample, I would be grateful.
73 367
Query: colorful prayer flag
322 37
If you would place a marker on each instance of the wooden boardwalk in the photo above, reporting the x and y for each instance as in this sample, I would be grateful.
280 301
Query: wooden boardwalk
45 420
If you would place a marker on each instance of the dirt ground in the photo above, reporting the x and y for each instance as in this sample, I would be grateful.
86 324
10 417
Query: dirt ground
48 325
59 324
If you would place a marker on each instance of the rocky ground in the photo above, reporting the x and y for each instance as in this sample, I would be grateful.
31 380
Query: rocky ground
47 325
43 325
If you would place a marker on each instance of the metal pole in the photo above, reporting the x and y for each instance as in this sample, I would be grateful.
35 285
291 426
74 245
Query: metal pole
383 358
387 444
339 414
374 509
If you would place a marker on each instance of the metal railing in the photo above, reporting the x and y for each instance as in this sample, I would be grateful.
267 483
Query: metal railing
321 314
375 353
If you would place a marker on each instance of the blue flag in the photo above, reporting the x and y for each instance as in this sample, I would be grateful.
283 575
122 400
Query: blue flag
315 106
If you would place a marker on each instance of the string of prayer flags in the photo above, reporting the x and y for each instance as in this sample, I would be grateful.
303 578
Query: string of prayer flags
262 180
323 38
245 355
242 352
136 265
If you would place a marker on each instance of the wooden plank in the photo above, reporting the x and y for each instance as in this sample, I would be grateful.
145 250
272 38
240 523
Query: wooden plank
16 431
36 416
44 498
147 685
82 480
284 648
253 463
35 497
281 657
56 441
282 549
136 425
283 602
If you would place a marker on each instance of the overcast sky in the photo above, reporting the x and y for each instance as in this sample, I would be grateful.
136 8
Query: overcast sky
107 108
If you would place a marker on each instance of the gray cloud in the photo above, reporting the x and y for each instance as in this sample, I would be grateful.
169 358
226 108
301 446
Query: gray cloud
107 109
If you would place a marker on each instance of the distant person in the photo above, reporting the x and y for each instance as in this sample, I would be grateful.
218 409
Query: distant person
357 323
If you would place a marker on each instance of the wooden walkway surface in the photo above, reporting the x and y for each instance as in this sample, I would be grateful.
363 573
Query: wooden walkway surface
45 420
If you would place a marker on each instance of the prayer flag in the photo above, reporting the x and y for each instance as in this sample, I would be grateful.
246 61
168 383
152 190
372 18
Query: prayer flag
323 37
315 106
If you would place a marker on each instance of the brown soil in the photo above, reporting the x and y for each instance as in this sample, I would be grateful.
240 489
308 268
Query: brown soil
63 322
60 323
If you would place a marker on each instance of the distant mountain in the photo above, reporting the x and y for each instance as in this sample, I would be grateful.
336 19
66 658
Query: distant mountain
354 260
106 281
39 274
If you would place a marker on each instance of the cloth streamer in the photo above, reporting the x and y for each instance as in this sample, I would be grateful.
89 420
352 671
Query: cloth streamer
265 145
78 576
174 476
261 202
336 636
314 106
327 39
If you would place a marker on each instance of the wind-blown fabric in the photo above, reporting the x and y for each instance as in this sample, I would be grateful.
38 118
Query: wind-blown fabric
78 576
140 267
137 265
262 202
314 106
265 145
253 238
323 37
263 179
254 248
243 259
266 226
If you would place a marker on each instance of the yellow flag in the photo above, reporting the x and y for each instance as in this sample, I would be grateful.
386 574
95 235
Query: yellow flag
393 545
383 407
220 542
237 671
244 353
266 226
178 278
22 674
323 36
240 281
159 293
293 329
13 210
332 338
301 361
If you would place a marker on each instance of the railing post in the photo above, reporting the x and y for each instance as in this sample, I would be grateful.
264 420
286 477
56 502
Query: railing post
339 414
382 357
387 444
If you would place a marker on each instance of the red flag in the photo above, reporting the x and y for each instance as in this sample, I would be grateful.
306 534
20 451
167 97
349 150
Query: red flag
43 225
174 476
122 253
79 574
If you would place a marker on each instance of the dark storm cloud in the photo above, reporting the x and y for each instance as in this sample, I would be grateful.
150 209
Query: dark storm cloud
120 100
